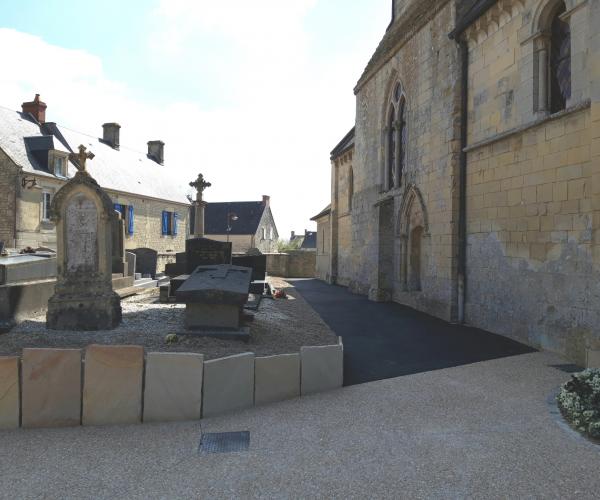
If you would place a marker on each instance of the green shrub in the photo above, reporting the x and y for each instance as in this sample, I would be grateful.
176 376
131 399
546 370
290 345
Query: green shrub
579 402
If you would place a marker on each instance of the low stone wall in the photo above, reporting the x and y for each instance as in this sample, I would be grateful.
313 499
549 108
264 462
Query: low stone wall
163 259
22 300
118 385
295 264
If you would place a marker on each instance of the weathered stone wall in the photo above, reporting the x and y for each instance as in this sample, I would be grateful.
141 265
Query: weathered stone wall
148 224
295 264
323 254
426 65
33 231
342 193
8 187
533 266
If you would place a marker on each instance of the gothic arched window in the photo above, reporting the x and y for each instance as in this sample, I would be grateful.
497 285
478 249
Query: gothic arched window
560 61
396 138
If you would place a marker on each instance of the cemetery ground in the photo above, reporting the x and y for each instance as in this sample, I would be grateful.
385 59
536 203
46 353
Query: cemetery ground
482 430
279 326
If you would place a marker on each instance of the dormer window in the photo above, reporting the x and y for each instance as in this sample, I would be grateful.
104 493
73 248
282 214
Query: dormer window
60 165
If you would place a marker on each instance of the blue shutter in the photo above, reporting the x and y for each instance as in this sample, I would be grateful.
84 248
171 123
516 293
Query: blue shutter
165 223
175 219
130 219
119 208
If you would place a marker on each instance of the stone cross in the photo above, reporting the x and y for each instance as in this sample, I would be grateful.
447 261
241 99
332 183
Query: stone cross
81 158
200 184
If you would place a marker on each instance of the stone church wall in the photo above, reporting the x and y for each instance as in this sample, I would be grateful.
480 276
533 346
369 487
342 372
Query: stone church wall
426 65
533 265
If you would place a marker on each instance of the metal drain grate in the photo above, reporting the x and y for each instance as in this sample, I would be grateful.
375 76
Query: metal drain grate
224 442
568 368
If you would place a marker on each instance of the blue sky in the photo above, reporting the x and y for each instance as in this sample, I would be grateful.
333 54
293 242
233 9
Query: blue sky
253 94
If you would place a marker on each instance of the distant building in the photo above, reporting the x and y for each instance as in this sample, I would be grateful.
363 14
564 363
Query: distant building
246 224
323 244
34 165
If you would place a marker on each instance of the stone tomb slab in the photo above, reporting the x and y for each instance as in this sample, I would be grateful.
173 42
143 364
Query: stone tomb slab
173 388
51 387
277 378
228 384
112 392
9 392
593 358
215 296
206 252
322 368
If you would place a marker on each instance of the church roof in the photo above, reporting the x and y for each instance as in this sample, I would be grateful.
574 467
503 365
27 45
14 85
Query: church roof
322 213
248 213
467 12
123 170
344 145
401 30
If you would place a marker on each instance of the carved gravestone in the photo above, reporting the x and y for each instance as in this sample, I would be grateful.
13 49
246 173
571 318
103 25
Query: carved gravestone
84 216
205 252
146 261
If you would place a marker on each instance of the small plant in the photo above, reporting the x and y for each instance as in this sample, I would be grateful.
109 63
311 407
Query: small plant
172 338
579 402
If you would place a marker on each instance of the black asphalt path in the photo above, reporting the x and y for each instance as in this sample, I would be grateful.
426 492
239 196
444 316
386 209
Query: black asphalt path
389 340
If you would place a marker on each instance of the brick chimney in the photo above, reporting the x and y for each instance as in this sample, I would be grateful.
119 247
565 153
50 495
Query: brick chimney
293 235
111 134
156 151
266 200
36 108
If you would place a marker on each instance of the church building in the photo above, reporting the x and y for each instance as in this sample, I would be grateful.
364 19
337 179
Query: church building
469 187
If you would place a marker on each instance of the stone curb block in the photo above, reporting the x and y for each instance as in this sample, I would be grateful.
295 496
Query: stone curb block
228 384
9 392
277 378
112 392
51 381
593 358
322 368
173 388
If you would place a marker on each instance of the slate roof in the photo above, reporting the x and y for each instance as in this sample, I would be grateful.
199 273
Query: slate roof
398 32
322 213
249 214
123 170
344 145
467 12
310 240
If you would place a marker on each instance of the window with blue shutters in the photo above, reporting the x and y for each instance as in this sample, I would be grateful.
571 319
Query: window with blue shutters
165 223
130 224
170 221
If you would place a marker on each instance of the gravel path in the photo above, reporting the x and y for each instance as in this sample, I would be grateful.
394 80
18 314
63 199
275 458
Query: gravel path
279 326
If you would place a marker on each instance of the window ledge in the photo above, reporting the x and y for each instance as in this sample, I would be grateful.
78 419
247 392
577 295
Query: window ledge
532 124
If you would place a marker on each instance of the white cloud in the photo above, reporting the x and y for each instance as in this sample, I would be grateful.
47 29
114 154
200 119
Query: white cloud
284 111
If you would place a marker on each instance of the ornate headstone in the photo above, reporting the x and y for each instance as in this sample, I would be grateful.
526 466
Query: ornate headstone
200 184
84 216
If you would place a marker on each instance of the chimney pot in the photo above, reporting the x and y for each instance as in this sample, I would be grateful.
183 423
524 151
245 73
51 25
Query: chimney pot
36 108
111 134
293 235
266 200
156 151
